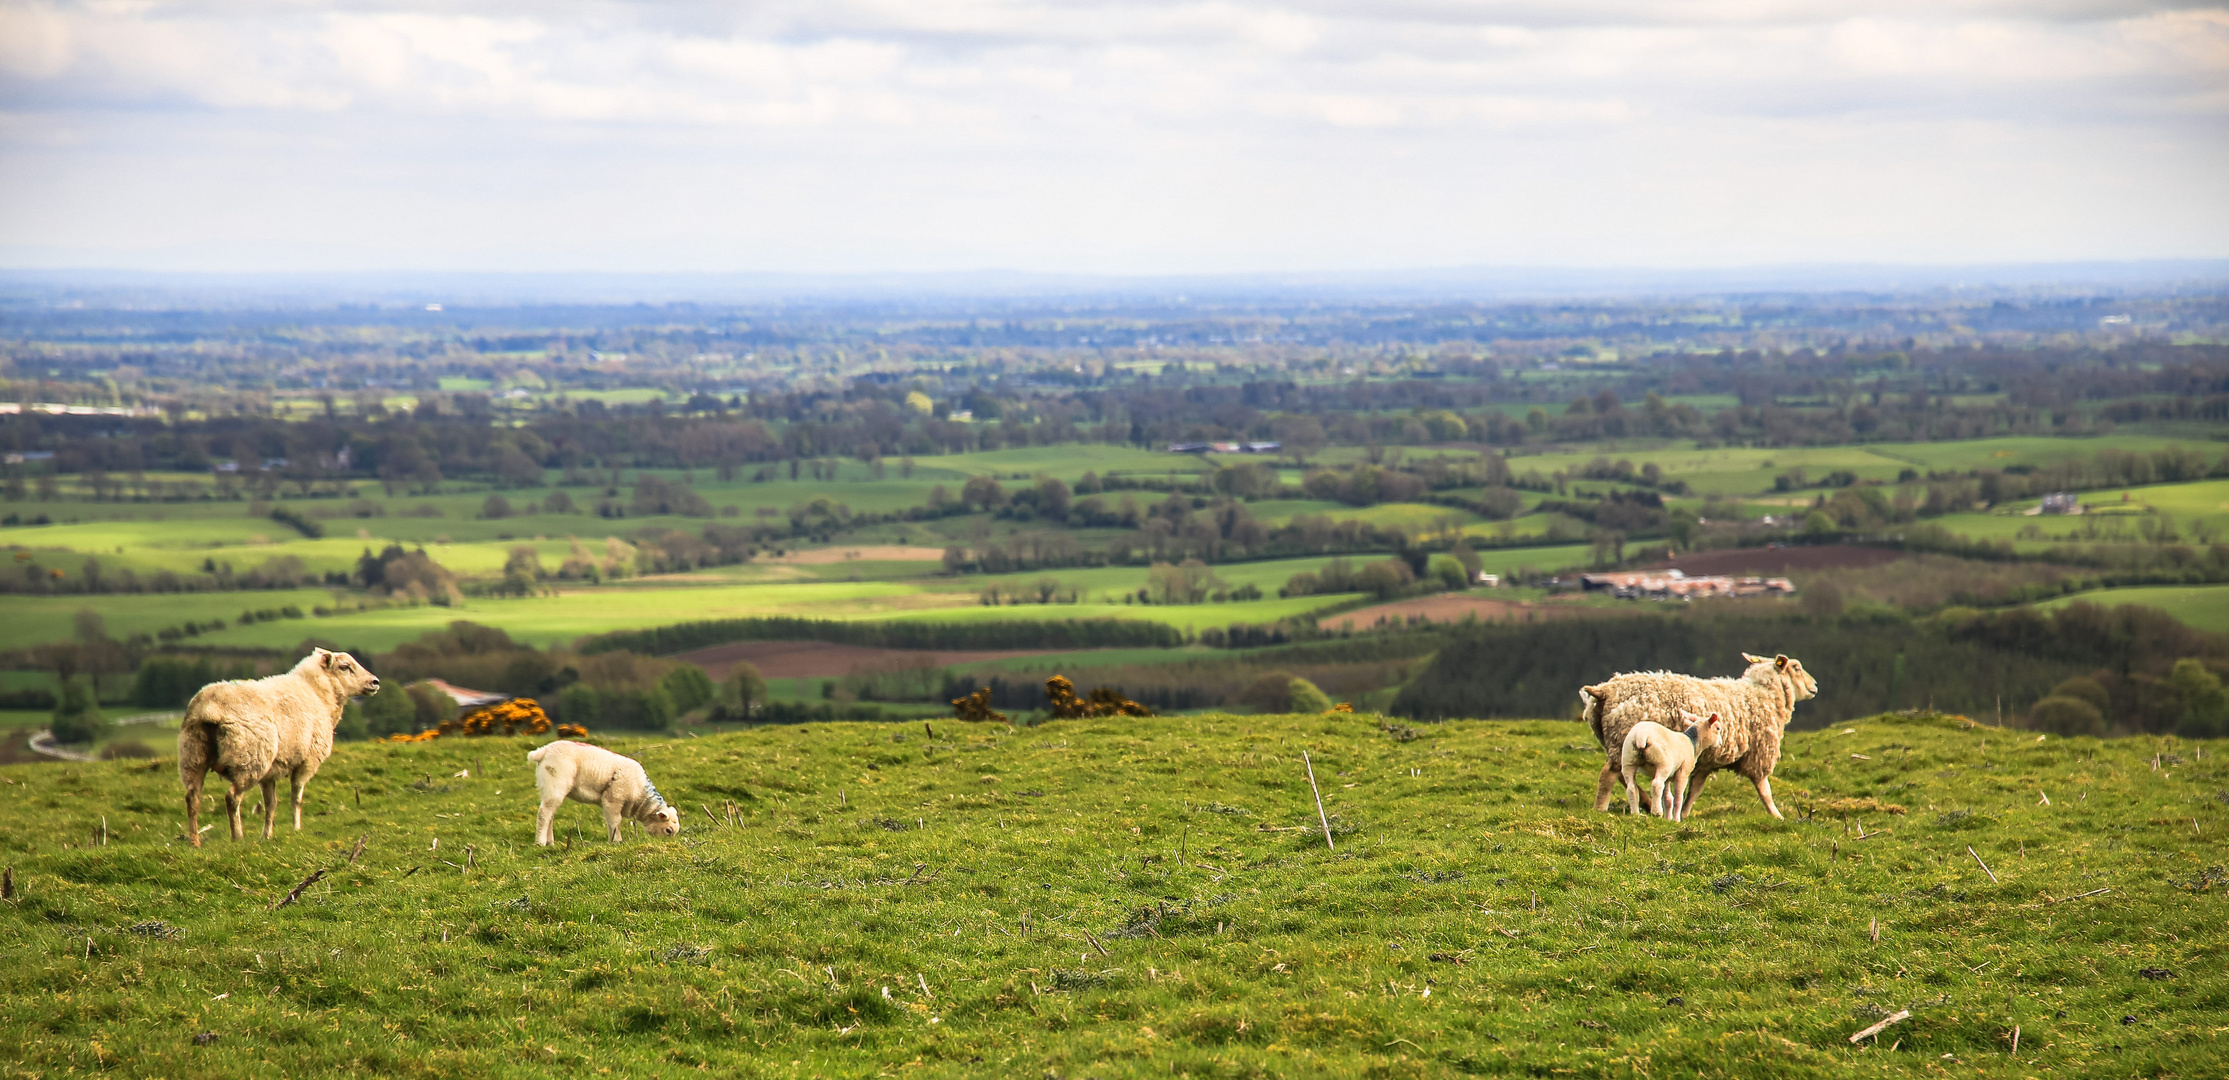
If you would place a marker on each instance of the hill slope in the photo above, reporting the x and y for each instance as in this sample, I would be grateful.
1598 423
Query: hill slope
1115 898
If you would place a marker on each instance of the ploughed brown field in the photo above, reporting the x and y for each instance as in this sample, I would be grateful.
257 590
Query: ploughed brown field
810 659
1778 560
1447 608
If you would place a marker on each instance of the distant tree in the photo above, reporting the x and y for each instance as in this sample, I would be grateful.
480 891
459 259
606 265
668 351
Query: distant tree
687 686
744 692
2205 706
1052 498
77 716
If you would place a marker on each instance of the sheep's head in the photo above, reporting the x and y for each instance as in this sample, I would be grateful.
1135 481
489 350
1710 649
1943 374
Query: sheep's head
344 672
665 821
1780 668
1703 729
1792 670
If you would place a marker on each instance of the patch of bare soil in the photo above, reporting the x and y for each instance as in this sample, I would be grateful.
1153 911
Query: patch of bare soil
819 659
1779 560
1447 608
871 553
15 747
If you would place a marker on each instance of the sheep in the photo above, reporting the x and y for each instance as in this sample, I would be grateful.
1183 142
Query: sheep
1670 758
253 731
592 774
1756 708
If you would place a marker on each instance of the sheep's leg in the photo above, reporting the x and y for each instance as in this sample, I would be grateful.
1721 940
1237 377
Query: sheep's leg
193 810
1694 792
232 794
1602 785
270 804
299 784
1632 793
1764 791
1656 797
545 823
613 819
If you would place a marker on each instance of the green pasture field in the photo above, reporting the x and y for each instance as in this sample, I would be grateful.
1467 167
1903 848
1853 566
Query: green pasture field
1414 517
1135 897
1181 616
2199 503
34 620
1748 471
1506 560
2026 450
2205 607
1066 462
577 611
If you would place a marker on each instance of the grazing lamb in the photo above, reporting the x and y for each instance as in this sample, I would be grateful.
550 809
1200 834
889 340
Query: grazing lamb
592 774
1755 709
253 731
1669 757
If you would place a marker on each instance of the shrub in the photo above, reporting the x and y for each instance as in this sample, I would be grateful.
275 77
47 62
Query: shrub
1307 698
688 687
27 699
1104 701
2067 716
168 682
2084 688
77 718
292 519
1284 692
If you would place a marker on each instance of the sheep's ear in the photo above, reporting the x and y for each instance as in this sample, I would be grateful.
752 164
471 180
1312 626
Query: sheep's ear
332 659
1780 661
1752 659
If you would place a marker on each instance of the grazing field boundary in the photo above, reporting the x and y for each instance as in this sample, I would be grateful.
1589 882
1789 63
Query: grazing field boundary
1048 634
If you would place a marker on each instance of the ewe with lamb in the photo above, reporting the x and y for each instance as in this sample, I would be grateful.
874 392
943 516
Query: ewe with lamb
1755 709
1669 758
253 731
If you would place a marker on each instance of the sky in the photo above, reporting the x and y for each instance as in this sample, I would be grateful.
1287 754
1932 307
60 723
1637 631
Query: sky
1115 137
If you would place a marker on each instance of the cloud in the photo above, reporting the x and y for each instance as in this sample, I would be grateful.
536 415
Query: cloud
1100 127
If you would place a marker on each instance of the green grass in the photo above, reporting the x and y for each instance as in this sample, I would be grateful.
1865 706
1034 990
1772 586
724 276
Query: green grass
1750 471
2205 607
2118 515
1414 517
869 914
33 620
1181 616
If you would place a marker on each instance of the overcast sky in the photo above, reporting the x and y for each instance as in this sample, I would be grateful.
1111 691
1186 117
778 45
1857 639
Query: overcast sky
1125 137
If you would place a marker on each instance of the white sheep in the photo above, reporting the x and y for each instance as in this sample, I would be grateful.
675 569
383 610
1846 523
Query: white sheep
253 731
1670 758
591 774
1755 709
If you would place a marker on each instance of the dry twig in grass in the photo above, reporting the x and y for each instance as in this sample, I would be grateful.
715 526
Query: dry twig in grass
1894 1017
297 893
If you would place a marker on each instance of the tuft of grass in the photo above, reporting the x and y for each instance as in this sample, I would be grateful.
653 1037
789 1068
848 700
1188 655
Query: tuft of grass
1134 896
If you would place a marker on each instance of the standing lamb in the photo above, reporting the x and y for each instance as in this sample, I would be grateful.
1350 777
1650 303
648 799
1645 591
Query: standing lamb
1670 759
1755 709
592 774
253 731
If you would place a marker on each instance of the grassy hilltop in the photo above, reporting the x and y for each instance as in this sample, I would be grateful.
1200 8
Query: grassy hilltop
1102 898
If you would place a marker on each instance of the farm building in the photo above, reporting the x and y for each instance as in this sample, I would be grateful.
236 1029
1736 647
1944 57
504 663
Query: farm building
1676 585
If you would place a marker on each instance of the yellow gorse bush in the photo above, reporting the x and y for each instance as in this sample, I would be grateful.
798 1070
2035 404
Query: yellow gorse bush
516 716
